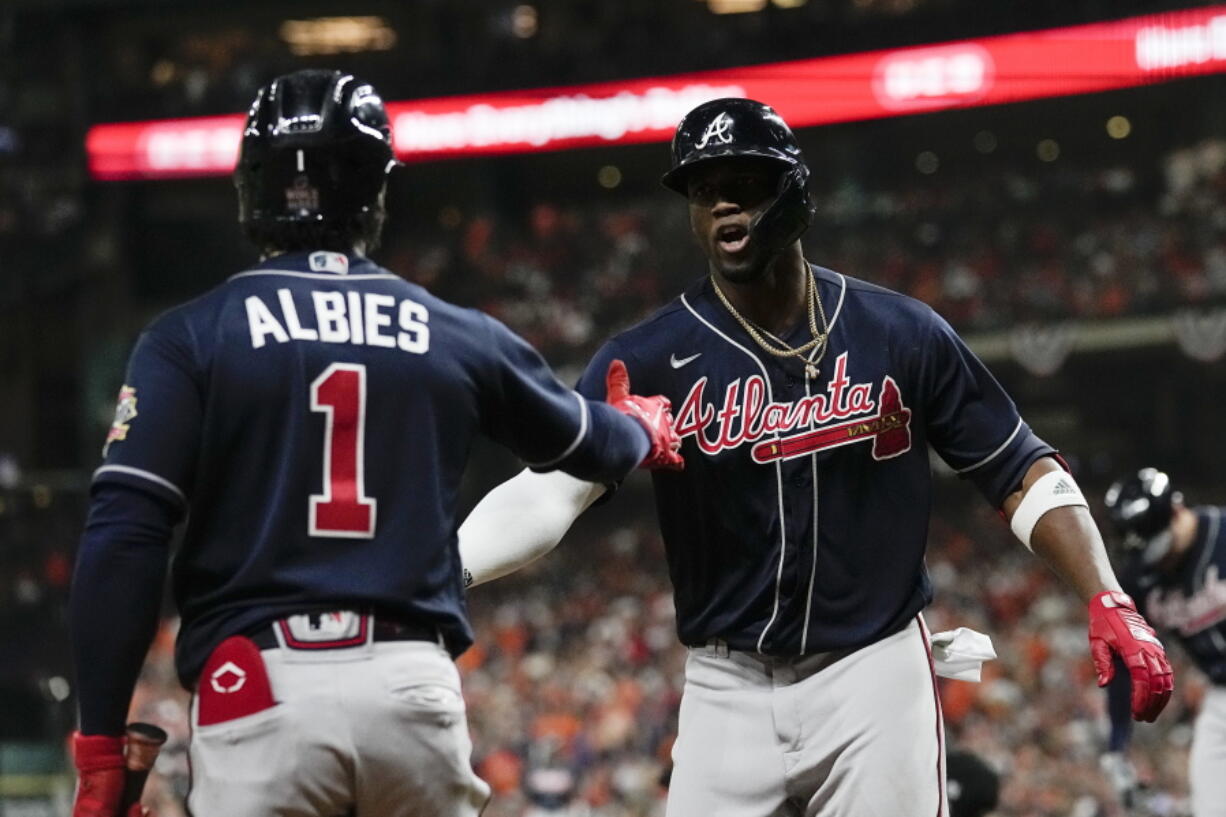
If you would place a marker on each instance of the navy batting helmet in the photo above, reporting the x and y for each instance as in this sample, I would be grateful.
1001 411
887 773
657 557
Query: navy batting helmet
1139 507
316 148
972 785
736 127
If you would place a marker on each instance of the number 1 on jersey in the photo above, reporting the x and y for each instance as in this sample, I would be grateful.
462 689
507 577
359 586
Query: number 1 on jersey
343 509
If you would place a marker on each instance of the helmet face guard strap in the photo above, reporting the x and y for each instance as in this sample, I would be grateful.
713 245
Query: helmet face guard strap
788 216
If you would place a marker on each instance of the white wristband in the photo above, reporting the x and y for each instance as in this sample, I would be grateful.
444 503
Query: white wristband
1054 489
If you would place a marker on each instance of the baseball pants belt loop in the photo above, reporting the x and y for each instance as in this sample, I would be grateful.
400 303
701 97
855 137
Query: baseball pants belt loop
364 628
717 647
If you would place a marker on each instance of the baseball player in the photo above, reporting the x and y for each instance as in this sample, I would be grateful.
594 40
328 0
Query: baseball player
311 417
806 401
1176 570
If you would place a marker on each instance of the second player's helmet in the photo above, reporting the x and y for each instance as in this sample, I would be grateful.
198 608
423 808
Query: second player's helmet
1140 507
737 127
316 148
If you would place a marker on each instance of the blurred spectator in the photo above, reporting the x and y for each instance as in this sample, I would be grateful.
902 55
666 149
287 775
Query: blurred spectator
988 253
574 684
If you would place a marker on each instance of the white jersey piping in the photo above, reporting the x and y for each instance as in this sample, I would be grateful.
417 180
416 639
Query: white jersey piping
839 306
327 276
143 474
583 426
804 634
778 470
995 453
1215 520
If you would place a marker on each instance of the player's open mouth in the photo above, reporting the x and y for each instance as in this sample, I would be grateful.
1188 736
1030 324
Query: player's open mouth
732 238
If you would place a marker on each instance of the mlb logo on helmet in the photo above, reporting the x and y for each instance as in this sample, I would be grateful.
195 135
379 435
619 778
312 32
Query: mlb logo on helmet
329 262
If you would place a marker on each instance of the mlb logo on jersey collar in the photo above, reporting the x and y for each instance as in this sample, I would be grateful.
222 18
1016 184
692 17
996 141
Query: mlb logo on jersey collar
329 262
318 263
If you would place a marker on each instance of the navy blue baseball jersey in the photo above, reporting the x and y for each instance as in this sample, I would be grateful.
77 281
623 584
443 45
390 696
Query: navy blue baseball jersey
1190 602
800 521
314 415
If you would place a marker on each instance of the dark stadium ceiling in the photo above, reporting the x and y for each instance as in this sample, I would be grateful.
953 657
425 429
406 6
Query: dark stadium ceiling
91 61
446 47
1006 12
999 70
1092 8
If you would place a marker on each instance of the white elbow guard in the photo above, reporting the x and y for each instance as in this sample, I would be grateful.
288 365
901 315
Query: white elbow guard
1054 489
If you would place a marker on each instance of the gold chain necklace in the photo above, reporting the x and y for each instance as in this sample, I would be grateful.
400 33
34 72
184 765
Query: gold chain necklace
813 300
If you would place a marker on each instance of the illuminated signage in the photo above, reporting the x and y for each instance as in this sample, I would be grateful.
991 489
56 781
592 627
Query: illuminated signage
825 90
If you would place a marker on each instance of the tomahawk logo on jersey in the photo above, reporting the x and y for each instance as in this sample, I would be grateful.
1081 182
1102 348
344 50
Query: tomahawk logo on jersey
746 415
312 366
777 462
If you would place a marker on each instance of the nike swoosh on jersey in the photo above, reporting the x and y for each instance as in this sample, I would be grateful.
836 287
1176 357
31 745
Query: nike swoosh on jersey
677 364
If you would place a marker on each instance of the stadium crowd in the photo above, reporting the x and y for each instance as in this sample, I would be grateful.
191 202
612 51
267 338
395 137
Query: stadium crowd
574 682
987 252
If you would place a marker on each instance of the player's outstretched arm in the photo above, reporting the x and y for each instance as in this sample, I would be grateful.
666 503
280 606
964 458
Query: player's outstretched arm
520 521
1049 514
525 517
551 427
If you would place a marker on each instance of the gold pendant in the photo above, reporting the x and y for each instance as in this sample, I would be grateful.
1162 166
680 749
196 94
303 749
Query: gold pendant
810 371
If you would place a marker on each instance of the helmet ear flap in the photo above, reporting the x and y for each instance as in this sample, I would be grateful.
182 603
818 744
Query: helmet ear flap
789 215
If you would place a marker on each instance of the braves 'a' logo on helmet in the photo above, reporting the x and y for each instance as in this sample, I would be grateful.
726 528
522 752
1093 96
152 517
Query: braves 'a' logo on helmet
719 129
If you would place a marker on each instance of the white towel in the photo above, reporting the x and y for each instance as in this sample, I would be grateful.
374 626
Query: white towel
959 654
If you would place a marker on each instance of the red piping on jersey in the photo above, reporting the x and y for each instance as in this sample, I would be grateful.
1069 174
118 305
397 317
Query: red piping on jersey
936 696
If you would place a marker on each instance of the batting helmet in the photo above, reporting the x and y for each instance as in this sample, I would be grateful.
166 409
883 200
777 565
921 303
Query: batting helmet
972 785
1139 507
316 148
736 127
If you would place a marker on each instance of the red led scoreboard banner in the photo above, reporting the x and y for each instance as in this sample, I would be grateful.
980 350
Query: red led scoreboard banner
988 71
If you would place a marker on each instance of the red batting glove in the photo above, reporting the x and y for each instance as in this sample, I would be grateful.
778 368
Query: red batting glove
1117 627
100 770
100 777
652 413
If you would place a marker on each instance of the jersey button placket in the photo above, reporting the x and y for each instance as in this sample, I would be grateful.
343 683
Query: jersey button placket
811 483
